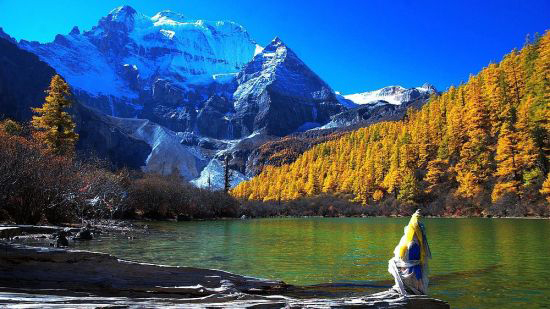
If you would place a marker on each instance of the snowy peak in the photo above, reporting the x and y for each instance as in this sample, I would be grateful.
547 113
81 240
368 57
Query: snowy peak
283 91
276 49
280 68
167 17
122 14
427 88
395 95
121 18
276 42
166 46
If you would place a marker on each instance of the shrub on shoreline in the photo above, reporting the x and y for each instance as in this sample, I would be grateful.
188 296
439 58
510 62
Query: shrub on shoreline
40 186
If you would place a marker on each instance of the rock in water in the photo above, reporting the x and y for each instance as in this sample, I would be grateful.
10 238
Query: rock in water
84 234
60 239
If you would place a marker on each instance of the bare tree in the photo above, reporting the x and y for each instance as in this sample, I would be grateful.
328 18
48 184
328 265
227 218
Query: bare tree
226 175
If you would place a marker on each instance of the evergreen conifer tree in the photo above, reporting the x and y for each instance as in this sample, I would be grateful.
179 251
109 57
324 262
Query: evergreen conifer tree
54 126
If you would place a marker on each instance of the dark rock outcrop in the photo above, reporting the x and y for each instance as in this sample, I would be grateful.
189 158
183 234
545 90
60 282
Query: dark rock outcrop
23 79
84 234
99 137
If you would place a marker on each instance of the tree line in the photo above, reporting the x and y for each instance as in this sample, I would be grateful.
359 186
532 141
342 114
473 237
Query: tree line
481 148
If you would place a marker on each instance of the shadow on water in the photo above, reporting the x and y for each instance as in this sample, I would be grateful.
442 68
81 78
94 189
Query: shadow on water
458 275
354 289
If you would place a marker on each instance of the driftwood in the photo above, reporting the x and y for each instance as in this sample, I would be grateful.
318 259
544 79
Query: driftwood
46 268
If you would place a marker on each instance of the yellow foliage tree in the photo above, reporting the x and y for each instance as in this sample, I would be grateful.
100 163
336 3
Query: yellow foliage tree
509 165
474 166
54 126
546 188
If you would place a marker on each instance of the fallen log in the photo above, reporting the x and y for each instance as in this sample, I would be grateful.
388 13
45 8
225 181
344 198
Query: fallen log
99 273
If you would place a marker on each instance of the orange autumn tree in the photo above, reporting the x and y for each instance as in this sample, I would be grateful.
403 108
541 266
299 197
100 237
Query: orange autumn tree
53 124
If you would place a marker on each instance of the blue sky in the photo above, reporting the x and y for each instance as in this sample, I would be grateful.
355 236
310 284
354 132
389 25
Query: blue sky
353 45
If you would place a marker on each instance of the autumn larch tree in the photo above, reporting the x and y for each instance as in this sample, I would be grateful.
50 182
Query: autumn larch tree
474 166
54 126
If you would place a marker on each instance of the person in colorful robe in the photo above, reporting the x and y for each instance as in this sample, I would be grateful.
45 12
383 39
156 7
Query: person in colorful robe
409 266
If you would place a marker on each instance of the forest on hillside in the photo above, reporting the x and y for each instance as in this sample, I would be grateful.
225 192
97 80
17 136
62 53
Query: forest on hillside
481 148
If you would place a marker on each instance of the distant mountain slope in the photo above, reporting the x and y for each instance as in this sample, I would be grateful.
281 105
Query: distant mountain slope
388 103
287 149
480 148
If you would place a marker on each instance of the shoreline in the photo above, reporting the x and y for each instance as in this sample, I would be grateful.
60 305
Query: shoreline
129 224
8 230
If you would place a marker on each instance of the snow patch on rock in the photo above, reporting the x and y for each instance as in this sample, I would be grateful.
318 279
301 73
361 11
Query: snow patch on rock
167 45
168 155
212 176
395 95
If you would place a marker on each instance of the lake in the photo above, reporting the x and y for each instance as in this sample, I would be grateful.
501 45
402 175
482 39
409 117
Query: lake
477 263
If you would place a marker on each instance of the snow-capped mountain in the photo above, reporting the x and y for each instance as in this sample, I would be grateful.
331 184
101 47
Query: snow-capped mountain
395 95
129 56
278 93
388 103
209 78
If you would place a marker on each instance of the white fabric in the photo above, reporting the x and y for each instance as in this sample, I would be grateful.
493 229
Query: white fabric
405 279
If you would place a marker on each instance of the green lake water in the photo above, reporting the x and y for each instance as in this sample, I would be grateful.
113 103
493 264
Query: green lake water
477 263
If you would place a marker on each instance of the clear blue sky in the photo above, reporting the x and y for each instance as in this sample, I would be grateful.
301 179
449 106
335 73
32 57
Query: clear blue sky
353 45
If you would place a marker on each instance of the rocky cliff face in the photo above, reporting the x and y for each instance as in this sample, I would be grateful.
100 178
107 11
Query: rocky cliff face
279 94
23 78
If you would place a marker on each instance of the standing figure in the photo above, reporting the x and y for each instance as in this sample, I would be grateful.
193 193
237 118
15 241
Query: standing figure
409 266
